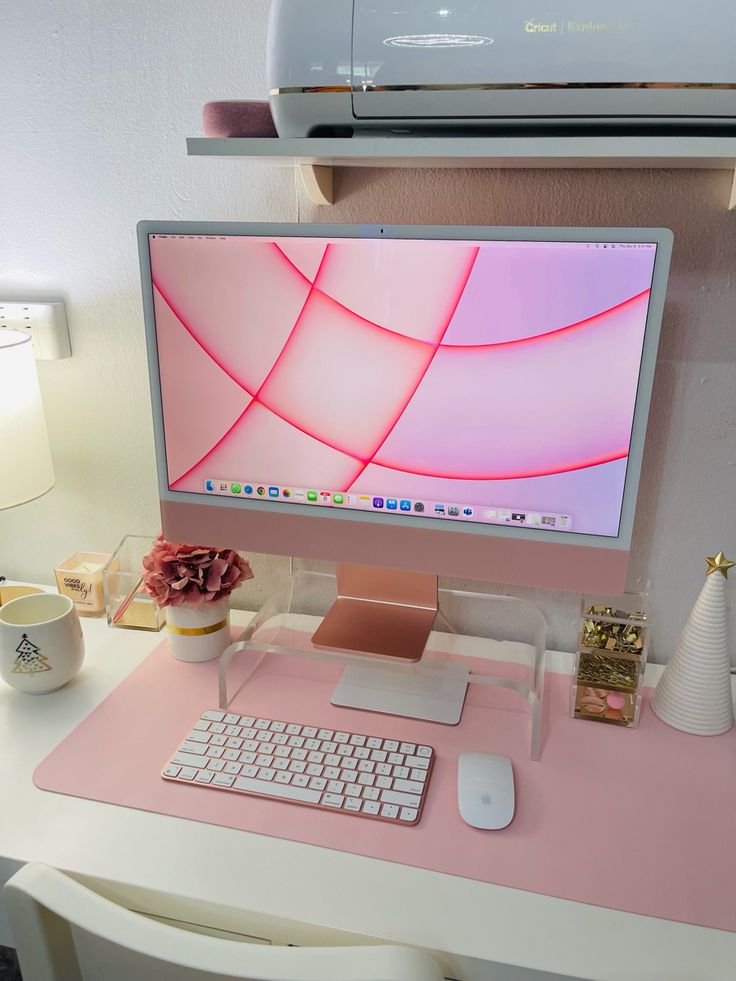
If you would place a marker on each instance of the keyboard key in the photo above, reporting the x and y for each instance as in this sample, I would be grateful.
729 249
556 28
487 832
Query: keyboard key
293 729
329 747
249 733
280 739
361 753
287 791
366 779
277 726
424 751
218 740
325 734
332 800
389 810
198 737
344 750
353 804
366 766
373 743
420 775
223 780
232 730
251 745
356 740
408 814
230 755
297 766
172 771
390 745
266 748
332 760
371 807
309 731
347 776
217 727
336 786
407 748
216 765
352 790
215 752
280 764
404 800
299 780
331 772
371 793
266 774
188 773
234 743
204 776
283 752
408 786
315 770
246 720
383 782
188 747
263 760
396 759
383 769
318 783
249 771
378 756
401 772
233 768
283 777
342 737
296 741
247 758
261 724
298 754
213 716
202 726
230 719
349 763
312 744
315 757
264 736
189 759
420 762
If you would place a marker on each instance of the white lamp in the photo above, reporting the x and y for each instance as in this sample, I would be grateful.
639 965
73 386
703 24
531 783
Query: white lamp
26 470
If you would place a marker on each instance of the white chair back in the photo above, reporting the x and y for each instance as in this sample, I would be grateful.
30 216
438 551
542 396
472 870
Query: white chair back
64 931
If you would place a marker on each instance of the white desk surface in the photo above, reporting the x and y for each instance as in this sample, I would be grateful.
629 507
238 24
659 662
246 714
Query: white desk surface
275 879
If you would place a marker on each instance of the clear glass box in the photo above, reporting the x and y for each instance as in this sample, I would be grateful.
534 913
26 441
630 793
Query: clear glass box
126 603
506 635
611 658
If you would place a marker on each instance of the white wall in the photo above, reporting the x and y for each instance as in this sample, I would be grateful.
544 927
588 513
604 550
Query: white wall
96 100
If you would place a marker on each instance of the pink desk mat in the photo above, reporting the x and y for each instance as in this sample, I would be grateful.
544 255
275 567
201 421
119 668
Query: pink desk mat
635 820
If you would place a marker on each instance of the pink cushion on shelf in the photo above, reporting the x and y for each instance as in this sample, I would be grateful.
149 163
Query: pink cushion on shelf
233 118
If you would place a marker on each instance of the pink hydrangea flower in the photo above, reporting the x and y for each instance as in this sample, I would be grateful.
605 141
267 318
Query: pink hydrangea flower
191 575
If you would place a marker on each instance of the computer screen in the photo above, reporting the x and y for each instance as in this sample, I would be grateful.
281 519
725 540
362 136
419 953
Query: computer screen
481 382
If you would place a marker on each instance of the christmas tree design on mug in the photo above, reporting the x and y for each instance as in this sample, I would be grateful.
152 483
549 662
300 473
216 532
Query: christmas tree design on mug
30 660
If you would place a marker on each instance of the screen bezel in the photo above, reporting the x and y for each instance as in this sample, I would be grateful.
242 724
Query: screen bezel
661 237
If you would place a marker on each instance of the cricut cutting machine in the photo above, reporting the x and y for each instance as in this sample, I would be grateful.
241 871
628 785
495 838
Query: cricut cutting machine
339 67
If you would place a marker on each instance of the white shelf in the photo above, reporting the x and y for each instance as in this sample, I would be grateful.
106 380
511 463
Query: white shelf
316 156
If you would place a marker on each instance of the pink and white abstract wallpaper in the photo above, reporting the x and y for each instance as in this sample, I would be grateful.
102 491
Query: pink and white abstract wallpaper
501 375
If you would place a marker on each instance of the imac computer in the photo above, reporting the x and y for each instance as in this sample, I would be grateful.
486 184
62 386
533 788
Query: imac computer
406 401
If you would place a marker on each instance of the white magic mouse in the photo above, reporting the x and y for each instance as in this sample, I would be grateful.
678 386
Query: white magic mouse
485 790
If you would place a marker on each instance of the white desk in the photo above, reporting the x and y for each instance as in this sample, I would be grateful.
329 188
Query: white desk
289 892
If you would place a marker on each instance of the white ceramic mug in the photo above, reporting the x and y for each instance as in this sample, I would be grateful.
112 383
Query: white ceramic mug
41 643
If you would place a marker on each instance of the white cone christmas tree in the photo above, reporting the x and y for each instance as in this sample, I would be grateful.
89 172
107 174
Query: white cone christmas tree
694 692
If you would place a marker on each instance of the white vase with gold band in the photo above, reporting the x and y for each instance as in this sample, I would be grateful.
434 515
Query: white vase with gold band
198 633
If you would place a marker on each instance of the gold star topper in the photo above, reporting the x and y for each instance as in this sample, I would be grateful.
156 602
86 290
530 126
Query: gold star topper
719 563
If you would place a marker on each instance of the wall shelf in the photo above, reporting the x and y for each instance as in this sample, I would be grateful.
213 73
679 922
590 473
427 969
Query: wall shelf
317 156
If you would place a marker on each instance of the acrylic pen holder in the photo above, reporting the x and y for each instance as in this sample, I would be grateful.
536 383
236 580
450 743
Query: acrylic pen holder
126 603
610 662
505 650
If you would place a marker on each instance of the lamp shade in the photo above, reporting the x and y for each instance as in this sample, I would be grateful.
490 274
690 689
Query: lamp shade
26 470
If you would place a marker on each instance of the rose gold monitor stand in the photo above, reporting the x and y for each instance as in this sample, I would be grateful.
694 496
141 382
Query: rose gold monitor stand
388 615
381 612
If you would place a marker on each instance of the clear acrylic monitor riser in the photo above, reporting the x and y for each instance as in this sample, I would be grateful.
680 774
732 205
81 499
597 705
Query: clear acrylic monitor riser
503 634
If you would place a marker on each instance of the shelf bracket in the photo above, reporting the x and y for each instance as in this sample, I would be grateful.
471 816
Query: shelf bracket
732 201
317 180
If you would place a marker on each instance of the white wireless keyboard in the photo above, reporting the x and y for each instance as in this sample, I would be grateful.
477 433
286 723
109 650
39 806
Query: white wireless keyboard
385 779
